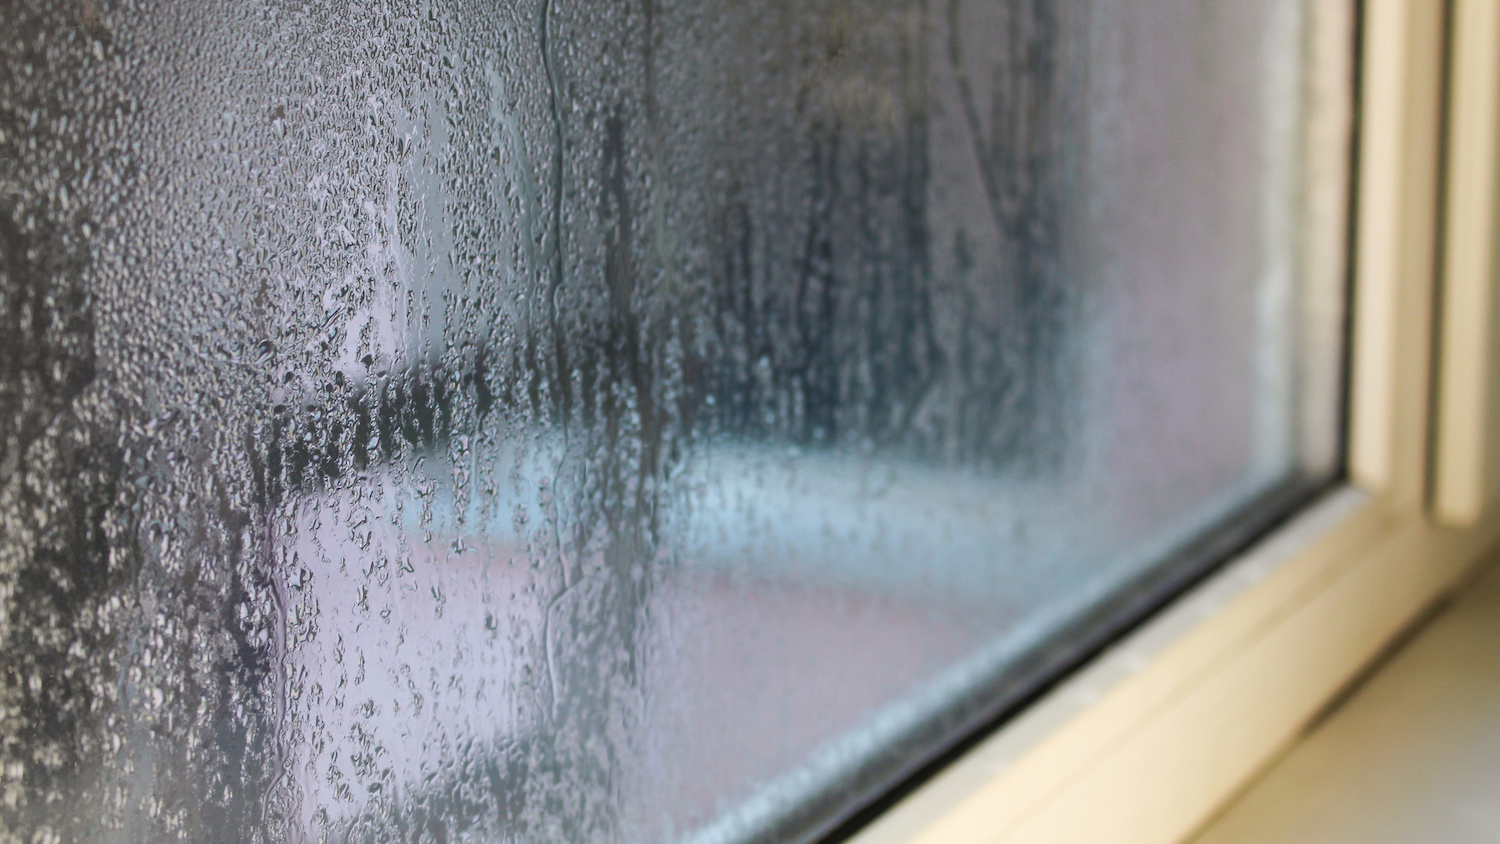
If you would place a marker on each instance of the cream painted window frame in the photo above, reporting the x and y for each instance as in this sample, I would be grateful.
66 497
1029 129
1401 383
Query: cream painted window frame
1146 742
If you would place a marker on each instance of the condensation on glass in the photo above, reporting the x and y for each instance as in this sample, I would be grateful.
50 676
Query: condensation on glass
619 421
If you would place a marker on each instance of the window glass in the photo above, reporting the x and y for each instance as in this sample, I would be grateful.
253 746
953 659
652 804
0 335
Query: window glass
623 421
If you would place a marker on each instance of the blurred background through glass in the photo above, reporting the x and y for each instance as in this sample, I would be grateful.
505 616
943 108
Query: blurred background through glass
640 421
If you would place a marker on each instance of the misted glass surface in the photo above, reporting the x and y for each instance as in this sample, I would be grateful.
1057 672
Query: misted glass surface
642 421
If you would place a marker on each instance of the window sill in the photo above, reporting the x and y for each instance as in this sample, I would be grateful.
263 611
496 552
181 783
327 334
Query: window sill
1409 755
1162 729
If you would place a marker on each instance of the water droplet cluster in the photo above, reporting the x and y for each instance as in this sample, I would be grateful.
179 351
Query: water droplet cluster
570 421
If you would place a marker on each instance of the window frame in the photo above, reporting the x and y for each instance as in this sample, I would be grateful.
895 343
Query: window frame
1145 742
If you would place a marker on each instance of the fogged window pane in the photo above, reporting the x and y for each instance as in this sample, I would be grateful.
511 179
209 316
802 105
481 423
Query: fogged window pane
621 421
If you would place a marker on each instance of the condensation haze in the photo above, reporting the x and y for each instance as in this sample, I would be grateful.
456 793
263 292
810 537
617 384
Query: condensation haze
641 421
